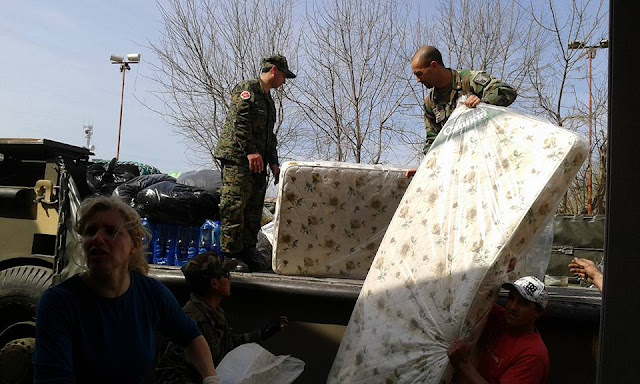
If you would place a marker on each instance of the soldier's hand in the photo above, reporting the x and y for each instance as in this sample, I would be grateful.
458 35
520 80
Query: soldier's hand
472 101
274 327
255 162
275 170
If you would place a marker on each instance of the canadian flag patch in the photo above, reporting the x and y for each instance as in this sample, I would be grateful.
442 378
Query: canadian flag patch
245 95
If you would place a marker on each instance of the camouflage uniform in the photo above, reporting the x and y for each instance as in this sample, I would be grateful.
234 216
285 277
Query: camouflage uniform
173 366
248 129
439 104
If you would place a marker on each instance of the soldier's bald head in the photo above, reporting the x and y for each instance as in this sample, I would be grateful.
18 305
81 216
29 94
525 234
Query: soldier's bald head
426 54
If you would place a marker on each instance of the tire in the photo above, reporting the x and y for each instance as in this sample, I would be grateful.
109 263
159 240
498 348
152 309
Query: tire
20 290
15 361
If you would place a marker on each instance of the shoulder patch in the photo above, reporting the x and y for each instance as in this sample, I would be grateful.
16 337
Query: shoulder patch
245 95
482 78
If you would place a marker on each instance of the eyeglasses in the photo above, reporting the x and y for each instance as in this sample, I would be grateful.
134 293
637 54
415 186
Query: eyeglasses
109 232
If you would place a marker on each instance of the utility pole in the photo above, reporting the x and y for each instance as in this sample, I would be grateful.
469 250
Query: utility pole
132 58
591 54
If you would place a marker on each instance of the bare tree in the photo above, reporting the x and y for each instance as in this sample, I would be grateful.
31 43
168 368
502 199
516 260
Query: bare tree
577 194
491 35
558 72
354 79
206 48
552 75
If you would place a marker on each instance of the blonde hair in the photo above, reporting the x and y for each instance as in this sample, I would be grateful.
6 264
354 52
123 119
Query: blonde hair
93 205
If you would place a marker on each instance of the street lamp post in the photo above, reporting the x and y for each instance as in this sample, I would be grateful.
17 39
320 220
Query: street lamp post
591 54
132 58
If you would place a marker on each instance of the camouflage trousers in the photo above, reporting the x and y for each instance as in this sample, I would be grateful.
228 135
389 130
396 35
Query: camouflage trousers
241 202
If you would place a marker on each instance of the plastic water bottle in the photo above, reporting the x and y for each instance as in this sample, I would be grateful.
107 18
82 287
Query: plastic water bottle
170 247
149 246
194 236
182 251
217 226
159 245
206 237
203 247
192 250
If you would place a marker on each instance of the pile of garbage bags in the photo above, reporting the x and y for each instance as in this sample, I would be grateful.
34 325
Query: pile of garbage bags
188 200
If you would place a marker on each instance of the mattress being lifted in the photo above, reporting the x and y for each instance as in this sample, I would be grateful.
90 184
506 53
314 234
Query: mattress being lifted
481 194
331 217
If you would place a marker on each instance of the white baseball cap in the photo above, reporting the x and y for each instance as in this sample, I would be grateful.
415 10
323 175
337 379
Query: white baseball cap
531 289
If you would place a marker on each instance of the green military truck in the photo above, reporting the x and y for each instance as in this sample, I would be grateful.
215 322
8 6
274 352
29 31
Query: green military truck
34 177
42 183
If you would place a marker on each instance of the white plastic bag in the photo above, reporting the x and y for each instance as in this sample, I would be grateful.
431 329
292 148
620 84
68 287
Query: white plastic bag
252 364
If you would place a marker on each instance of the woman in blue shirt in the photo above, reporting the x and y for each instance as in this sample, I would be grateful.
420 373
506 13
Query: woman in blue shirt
101 325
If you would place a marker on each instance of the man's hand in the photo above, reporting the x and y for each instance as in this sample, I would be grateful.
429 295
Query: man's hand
472 101
410 172
459 352
274 327
586 269
256 165
275 171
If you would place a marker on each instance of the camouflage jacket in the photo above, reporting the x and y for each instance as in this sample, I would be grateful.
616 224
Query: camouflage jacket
173 366
439 104
248 127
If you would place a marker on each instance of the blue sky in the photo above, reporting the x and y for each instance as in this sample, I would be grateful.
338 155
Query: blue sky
56 75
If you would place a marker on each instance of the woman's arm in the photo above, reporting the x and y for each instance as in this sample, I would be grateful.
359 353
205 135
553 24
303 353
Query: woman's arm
199 355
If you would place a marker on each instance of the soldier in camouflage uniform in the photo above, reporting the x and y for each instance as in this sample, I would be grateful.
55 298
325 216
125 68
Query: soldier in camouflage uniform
210 280
448 84
245 147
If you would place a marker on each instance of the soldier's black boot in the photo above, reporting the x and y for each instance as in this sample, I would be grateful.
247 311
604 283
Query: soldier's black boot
242 266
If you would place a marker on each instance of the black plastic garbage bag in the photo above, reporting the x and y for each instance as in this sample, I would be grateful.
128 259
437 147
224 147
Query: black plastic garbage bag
172 203
129 190
208 179
104 178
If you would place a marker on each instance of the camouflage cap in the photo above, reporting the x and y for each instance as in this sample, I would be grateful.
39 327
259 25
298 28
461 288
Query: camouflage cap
208 265
279 62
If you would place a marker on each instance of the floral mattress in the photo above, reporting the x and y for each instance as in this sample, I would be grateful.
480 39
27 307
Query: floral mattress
331 217
481 194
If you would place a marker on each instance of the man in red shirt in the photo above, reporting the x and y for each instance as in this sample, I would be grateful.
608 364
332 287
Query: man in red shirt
510 349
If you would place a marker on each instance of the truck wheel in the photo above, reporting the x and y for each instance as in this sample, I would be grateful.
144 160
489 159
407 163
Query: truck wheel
20 289
15 361
17 344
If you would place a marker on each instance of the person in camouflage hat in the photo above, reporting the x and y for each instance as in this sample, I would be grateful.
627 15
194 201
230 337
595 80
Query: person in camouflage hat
247 144
447 85
209 277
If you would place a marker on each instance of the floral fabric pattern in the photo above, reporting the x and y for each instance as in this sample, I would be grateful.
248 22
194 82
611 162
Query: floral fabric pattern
332 216
481 194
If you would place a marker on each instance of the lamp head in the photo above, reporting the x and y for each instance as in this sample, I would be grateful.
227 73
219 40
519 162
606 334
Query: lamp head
133 57
115 59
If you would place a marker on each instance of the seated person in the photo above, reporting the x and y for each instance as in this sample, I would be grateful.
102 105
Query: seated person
100 326
209 279
587 269
510 349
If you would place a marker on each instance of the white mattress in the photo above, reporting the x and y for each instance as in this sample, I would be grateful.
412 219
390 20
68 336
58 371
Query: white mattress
331 217
479 197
